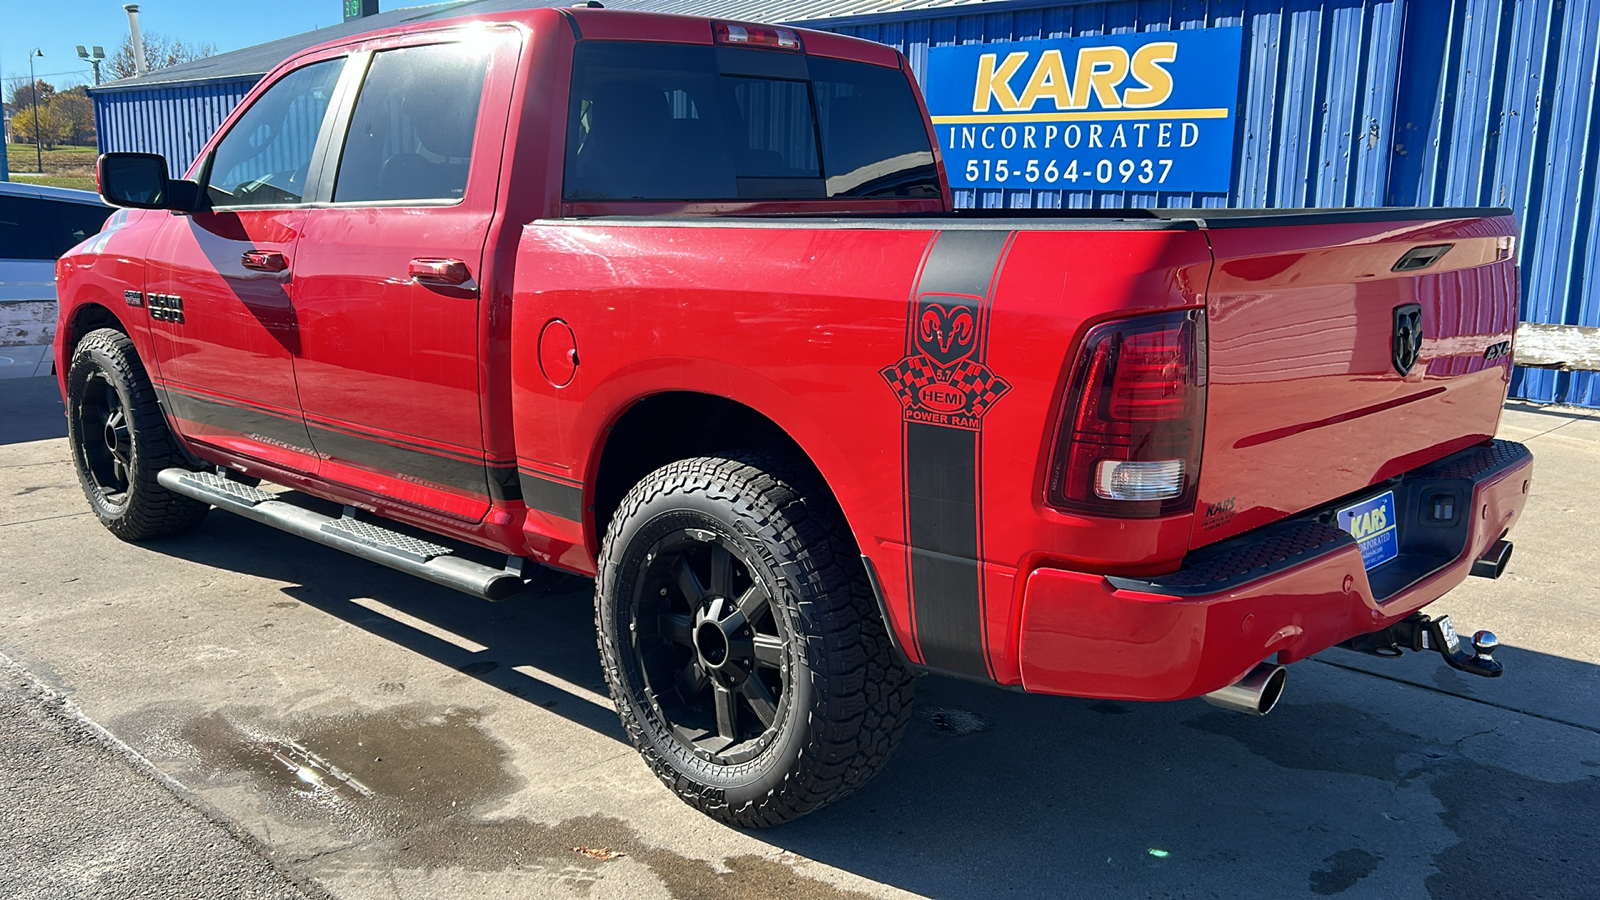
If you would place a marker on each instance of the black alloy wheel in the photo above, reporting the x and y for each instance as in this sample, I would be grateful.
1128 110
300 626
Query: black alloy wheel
108 460
741 640
714 660
120 441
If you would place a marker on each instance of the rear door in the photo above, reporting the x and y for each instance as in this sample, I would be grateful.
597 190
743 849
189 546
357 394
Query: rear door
1344 352
218 291
388 272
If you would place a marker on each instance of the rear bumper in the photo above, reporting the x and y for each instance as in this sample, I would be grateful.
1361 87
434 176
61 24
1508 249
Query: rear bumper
1292 588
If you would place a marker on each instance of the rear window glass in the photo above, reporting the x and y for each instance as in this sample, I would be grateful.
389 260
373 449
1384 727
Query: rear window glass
656 121
411 134
31 228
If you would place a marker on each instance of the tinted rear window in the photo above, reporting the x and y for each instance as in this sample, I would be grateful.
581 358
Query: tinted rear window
31 228
654 121
411 134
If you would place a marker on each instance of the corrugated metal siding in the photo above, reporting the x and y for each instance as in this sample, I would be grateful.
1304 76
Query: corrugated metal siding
1343 103
172 120
1376 103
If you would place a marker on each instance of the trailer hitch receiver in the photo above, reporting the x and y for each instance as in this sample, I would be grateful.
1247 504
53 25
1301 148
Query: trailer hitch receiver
1421 632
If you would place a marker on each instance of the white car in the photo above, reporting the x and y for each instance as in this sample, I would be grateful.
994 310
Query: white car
37 225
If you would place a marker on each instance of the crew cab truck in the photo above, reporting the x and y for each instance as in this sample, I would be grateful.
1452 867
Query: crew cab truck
684 305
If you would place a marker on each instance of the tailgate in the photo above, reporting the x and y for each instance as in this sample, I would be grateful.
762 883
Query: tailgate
1307 401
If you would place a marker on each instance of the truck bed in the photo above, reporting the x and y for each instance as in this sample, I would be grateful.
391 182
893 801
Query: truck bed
1299 310
1066 218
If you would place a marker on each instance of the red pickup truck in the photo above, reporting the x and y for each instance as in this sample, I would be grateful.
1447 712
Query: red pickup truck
685 305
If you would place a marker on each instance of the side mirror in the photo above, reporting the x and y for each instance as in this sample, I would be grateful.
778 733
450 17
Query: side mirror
139 180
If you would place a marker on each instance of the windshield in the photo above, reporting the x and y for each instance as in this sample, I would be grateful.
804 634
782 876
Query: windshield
657 121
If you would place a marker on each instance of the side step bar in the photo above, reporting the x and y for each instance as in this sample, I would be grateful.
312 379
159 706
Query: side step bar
375 543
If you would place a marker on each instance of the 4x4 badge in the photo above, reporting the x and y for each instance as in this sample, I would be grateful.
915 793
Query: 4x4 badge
1407 341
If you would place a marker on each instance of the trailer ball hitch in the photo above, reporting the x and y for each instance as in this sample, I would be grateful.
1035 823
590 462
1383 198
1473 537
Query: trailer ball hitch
1420 632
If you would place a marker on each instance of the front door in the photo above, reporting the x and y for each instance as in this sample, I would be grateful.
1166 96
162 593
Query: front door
218 291
386 277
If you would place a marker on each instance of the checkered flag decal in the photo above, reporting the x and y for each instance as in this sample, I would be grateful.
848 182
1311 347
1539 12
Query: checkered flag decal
908 377
979 388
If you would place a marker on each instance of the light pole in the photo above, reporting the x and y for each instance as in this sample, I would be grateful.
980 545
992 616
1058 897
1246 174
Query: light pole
33 88
94 60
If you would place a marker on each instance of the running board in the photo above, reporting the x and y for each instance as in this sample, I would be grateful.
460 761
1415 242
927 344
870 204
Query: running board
375 543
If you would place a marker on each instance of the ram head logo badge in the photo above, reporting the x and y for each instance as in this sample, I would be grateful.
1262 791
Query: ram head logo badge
1407 340
946 333
943 379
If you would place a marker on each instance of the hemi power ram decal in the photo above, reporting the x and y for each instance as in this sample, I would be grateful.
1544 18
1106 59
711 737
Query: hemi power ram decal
945 388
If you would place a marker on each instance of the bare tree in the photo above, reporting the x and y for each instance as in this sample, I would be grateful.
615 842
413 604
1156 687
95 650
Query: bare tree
160 52
20 91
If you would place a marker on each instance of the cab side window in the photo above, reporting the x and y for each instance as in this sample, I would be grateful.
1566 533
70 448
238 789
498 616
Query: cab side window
411 133
265 159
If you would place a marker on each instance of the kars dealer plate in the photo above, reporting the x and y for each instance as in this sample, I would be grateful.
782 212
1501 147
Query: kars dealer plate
1375 527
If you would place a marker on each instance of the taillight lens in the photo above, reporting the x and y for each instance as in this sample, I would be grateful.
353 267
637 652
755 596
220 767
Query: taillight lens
1129 443
740 34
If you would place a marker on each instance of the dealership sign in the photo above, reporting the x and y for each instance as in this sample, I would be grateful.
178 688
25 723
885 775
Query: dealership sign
1118 112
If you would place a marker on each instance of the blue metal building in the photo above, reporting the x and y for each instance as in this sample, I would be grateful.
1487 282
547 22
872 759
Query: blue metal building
1341 103
174 111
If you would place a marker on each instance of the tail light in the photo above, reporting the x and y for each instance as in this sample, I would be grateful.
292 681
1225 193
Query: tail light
755 35
1129 444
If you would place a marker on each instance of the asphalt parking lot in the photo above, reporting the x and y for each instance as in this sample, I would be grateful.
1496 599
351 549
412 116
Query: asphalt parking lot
352 731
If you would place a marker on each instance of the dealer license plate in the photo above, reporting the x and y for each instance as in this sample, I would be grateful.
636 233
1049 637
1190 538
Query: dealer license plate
1375 527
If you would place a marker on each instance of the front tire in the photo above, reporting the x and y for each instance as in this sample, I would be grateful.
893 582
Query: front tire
741 642
120 441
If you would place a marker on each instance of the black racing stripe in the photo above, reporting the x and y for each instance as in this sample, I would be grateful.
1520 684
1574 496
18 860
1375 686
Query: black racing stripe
504 483
463 475
270 428
351 430
962 262
554 497
944 464
942 513
498 481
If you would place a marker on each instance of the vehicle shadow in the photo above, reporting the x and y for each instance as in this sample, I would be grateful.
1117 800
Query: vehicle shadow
30 410
1357 786
551 630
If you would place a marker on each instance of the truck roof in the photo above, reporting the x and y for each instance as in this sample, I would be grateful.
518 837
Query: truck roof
588 23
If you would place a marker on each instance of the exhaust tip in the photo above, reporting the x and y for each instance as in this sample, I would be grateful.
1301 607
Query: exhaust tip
1256 693
1493 563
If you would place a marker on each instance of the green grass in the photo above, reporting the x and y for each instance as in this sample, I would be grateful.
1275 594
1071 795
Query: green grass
71 167
77 182
15 150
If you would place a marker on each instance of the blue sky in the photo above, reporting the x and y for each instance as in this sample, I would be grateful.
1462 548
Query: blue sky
57 26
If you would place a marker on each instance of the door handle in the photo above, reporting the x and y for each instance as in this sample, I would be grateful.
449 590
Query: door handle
264 260
440 271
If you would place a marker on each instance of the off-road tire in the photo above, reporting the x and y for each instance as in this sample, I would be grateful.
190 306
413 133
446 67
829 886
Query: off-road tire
848 694
105 361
